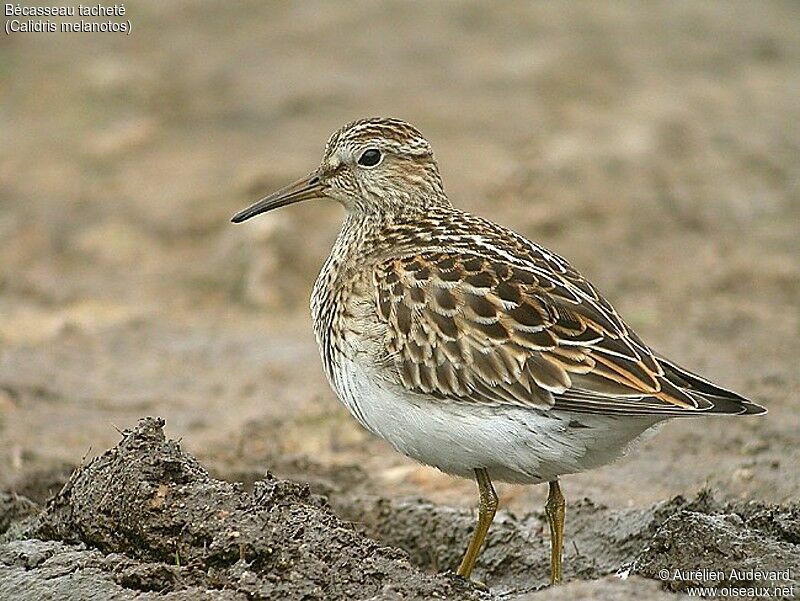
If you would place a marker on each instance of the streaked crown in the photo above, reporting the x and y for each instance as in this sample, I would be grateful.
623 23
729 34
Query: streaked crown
395 135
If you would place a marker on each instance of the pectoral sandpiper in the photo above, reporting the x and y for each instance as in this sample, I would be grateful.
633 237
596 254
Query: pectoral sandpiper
467 346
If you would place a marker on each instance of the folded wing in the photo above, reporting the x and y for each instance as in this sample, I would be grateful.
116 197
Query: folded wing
470 328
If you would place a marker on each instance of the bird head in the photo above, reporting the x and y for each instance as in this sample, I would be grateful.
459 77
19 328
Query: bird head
376 166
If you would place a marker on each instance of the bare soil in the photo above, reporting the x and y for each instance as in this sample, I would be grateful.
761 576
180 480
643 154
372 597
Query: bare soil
147 517
657 146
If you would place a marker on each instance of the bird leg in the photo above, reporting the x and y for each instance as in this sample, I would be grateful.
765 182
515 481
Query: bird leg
486 510
555 511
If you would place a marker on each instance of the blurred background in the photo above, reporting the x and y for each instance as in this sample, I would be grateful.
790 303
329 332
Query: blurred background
655 145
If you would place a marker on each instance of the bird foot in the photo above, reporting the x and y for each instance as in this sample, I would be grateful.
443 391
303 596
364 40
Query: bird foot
475 583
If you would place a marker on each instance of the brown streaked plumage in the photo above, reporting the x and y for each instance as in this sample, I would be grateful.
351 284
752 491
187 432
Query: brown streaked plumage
467 346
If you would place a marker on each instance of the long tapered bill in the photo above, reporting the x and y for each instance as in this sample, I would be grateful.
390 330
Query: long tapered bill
305 188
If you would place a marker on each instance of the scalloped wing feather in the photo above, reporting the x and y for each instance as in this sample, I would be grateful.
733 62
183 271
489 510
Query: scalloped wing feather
465 327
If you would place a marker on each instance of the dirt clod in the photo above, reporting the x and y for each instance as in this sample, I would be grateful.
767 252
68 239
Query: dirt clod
14 508
737 547
170 526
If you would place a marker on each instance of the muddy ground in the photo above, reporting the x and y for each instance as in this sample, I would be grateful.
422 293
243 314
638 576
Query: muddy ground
656 146
145 517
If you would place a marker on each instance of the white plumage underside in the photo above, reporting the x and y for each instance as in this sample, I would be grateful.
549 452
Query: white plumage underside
515 444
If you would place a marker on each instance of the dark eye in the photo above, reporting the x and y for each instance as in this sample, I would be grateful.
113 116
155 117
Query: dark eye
370 157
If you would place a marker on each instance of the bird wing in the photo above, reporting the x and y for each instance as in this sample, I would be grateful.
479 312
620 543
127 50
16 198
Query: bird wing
473 328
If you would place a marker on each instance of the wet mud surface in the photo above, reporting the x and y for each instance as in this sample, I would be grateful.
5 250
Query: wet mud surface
146 520
701 532
145 516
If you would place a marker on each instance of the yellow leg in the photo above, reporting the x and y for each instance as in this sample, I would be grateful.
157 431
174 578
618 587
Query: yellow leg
555 511
486 511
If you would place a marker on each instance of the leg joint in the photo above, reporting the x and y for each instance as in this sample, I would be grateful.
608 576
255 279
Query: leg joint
490 500
488 495
555 500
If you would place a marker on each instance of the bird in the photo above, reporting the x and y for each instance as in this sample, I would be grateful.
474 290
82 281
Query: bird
467 346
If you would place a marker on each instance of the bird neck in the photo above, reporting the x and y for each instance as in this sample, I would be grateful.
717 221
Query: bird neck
374 236
359 232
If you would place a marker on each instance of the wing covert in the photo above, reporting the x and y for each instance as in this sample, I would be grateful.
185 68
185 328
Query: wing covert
469 328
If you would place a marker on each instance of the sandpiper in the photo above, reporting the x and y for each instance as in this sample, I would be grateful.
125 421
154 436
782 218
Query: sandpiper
467 346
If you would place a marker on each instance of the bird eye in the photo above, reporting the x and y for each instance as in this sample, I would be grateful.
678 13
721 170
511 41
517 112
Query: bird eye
370 157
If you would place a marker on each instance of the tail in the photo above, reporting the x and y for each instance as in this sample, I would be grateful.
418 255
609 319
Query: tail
721 400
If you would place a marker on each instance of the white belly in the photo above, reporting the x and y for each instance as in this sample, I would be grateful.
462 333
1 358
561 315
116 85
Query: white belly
515 444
